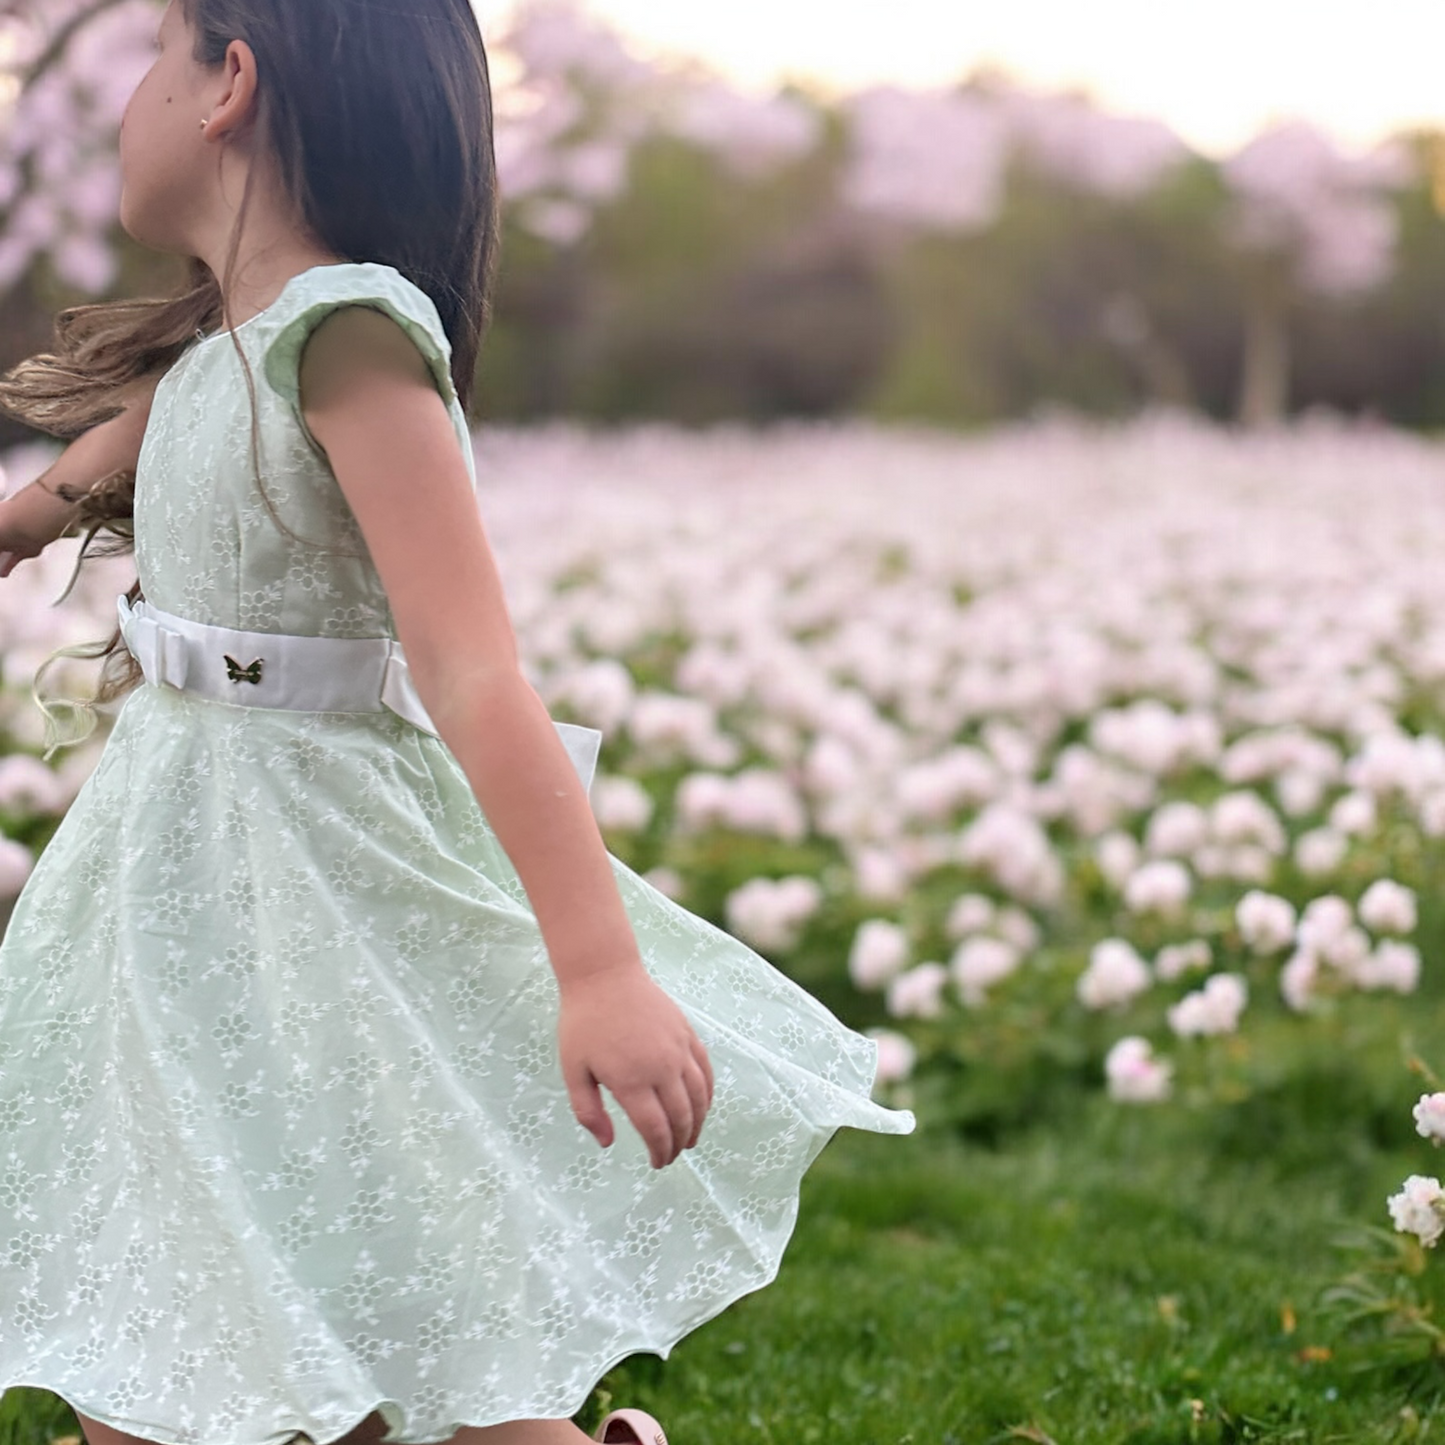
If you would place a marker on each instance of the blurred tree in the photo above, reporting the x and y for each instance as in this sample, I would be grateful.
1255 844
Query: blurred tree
1306 220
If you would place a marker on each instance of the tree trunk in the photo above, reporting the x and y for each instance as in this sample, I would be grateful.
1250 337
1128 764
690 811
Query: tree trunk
1264 380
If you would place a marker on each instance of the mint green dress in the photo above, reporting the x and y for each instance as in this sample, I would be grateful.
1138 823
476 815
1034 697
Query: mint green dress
284 1138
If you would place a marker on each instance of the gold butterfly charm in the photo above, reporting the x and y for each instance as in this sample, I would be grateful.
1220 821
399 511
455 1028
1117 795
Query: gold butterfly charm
236 673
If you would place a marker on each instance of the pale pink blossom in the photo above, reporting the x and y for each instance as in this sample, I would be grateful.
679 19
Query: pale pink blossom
880 951
970 913
1299 980
978 963
1266 922
770 913
1388 907
1243 816
879 874
1392 964
1213 1009
29 786
1324 921
1015 851
1320 851
1118 856
1354 815
896 1055
17 862
1175 959
918 992
1419 1209
667 880
1016 927
621 803
1161 886
1134 1075
1176 829
1430 1117
1114 976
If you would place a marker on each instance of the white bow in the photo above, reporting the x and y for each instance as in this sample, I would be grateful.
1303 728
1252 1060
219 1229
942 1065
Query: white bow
160 651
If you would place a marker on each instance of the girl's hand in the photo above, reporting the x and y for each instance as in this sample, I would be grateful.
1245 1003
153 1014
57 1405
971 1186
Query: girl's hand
18 537
620 1028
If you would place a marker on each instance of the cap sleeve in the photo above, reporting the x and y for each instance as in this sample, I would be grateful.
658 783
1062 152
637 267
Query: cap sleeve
319 292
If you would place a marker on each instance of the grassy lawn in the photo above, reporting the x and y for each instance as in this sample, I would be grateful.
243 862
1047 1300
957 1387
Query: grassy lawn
1114 1274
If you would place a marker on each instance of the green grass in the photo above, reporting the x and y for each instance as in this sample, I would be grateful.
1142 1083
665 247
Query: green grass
1144 1276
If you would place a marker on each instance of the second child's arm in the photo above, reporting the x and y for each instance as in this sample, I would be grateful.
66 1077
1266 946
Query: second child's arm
35 517
368 398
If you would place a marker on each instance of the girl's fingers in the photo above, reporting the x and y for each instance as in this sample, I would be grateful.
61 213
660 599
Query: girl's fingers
649 1117
676 1098
699 1052
697 1087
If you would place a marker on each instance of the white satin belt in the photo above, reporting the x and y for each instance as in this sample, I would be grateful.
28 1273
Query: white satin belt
285 670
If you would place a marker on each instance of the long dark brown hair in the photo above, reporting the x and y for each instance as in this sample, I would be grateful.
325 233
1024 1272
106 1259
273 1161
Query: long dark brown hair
379 119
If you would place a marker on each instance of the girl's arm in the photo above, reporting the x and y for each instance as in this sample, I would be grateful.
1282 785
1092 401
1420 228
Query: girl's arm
35 515
369 400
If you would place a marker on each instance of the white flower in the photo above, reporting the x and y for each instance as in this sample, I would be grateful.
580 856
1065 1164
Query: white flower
1417 1209
1266 922
896 1055
1347 951
28 785
1430 1117
1354 814
1176 829
17 862
1115 974
879 952
1388 907
918 992
979 962
1244 817
1299 792
1018 854
769 913
1324 920
1393 964
1297 979
971 913
1134 1075
1248 863
1117 855
1214 1009
1176 958
1017 928
1320 851
667 880
621 803
1161 886
879 874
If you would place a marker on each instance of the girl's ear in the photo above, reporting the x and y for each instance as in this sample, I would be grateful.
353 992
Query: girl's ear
236 106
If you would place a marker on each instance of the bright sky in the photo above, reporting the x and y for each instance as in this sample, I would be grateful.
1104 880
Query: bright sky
1217 72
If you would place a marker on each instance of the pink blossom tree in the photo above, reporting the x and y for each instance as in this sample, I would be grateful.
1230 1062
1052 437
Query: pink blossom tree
1304 218
67 69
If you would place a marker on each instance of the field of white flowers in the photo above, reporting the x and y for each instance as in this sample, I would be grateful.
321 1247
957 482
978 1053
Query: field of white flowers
1132 733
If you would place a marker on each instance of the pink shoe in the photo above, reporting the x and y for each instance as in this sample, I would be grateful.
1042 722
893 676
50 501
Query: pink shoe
630 1427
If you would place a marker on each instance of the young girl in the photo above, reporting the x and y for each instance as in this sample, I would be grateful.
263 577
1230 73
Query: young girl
306 1009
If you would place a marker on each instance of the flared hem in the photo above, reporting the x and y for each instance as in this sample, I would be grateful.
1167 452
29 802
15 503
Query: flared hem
393 1412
